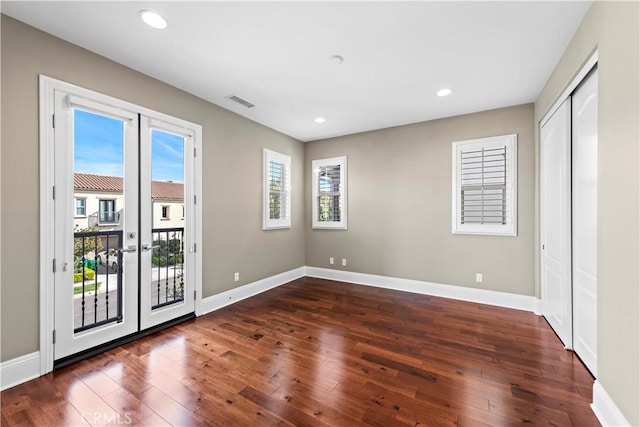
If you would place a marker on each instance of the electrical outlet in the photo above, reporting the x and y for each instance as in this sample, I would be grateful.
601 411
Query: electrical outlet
236 277
344 262
331 260
479 277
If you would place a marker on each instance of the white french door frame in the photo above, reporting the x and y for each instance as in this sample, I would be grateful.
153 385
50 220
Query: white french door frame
67 341
47 252
148 316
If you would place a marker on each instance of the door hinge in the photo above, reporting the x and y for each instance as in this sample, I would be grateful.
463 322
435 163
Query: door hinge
194 152
195 200
53 121
543 247
54 265
194 294
195 247
53 192
54 336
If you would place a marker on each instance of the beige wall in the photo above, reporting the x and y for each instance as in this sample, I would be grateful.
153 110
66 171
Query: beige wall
612 29
399 203
233 239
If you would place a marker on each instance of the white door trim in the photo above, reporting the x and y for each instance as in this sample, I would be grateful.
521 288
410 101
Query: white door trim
47 85
586 68
47 224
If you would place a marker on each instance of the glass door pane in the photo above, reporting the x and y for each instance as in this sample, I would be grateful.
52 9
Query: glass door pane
98 171
167 207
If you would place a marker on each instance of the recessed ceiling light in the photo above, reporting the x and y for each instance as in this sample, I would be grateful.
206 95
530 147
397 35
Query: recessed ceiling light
153 19
319 120
336 59
443 92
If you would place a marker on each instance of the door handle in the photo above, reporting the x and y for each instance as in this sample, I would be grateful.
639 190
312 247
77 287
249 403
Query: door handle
130 248
149 247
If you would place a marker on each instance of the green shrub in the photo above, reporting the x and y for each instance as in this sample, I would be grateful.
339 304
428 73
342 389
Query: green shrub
159 260
89 274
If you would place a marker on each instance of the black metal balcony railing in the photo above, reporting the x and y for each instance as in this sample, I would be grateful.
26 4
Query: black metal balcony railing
108 217
167 263
98 279
97 292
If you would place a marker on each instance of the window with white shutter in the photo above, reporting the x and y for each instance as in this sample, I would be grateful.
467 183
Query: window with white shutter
329 198
276 191
485 186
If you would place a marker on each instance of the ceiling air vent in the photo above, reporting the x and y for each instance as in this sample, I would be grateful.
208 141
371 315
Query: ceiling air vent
240 101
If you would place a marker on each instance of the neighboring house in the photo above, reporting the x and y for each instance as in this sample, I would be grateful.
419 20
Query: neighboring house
99 201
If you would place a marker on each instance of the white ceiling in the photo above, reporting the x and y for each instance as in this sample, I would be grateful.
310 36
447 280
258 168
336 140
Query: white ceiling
276 54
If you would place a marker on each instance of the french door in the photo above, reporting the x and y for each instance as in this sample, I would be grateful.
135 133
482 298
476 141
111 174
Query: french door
167 251
124 215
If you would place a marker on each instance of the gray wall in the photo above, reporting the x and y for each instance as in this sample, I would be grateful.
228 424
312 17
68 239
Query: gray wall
233 239
612 28
399 205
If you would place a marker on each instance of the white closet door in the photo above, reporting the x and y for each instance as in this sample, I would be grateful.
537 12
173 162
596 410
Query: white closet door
585 194
555 221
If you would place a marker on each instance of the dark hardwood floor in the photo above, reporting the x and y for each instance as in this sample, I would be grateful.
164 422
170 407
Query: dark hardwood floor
317 352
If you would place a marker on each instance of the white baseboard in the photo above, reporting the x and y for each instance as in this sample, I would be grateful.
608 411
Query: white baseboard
482 296
537 308
605 408
19 370
215 302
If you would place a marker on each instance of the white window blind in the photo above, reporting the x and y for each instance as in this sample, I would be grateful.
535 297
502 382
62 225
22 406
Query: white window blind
329 193
484 186
277 190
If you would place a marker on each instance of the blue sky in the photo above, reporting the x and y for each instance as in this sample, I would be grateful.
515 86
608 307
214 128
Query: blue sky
98 149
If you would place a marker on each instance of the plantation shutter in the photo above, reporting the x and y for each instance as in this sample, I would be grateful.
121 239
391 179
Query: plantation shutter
484 199
276 190
278 182
329 193
329 200
483 186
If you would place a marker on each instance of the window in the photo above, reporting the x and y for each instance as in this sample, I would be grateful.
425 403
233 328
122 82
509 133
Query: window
108 214
485 186
277 190
329 198
81 206
165 212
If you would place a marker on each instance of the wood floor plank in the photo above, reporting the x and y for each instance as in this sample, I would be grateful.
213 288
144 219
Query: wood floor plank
322 353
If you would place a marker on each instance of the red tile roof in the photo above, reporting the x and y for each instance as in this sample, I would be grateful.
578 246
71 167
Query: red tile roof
163 190
85 181
160 190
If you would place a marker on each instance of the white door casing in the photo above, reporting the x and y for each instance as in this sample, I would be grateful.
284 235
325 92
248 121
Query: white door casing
57 99
584 125
555 222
